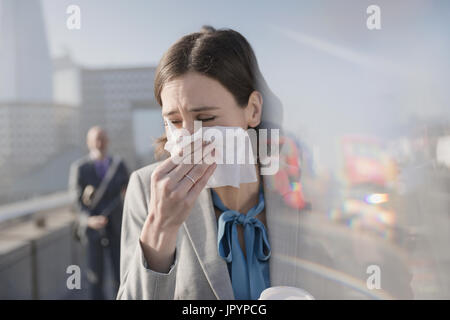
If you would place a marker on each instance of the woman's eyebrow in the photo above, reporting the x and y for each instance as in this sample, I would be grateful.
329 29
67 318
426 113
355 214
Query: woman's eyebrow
165 114
204 108
198 109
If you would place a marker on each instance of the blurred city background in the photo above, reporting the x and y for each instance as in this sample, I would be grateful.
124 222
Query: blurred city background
368 112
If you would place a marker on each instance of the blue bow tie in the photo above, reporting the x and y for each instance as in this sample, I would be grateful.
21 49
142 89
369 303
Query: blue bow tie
250 274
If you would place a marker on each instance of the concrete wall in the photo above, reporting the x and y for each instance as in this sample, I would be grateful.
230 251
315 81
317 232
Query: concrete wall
15 259
34 258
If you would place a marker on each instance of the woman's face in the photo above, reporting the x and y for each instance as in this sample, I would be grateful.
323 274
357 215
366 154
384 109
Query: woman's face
196 97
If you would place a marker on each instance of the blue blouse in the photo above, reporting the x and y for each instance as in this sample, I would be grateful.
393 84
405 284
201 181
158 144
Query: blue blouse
249 275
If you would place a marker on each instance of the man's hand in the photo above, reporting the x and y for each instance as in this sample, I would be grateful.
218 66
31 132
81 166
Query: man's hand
97 222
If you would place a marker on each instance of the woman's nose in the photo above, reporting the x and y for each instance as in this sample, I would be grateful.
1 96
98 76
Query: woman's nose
189 126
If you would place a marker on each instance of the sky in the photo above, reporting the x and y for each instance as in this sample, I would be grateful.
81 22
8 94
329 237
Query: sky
332 74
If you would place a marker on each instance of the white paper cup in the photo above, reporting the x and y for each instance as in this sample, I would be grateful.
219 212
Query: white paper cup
285 293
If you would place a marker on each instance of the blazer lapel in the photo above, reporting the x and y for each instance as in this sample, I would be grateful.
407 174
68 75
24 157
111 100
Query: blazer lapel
201 228
283 233
283 229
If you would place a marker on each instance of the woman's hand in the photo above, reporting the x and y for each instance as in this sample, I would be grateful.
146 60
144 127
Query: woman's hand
172 197
97 222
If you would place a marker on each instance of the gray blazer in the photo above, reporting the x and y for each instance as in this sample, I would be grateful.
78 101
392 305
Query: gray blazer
300 243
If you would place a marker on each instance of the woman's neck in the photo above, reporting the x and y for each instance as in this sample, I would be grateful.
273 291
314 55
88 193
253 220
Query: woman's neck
240 199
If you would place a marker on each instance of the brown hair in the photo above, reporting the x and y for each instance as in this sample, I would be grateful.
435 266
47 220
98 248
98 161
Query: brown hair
226 56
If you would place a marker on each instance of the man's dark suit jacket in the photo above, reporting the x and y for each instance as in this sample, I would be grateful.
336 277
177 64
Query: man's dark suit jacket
82 174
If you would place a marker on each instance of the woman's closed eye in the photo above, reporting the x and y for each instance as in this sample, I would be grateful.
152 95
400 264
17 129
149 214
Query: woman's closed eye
174 122
200 118
206 118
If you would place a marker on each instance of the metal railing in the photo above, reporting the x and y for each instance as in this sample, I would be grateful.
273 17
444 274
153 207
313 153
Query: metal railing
27 208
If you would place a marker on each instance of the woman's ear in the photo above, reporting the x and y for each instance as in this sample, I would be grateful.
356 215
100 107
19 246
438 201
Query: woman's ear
254 109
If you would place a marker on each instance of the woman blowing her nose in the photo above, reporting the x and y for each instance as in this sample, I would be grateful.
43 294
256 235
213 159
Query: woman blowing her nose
181 240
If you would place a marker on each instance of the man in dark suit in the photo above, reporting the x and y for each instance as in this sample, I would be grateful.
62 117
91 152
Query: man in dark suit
98 181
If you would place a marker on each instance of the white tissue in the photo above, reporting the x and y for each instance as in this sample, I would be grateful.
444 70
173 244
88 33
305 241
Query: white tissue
226 174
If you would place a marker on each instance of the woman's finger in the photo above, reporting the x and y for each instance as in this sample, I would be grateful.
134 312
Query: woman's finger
175 159
200 184
181 170
166 166
191 178
191 153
